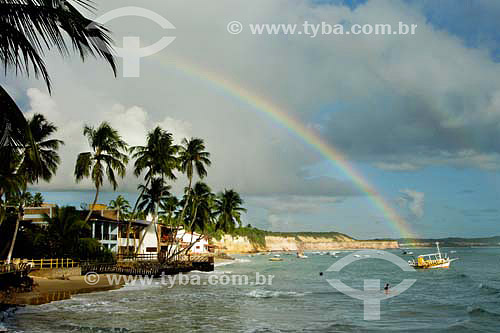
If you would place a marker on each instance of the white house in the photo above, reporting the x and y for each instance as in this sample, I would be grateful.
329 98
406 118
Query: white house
200 245
184 239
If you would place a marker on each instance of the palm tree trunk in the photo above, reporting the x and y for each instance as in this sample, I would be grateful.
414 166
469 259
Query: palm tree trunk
132 215
18 221
183 208
187 199
190 241
188 248
192 224
9 256
136 251
158 232
91 207
171 241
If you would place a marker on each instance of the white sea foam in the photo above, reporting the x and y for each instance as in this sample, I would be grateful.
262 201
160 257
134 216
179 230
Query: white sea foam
262 293
211 273
235 261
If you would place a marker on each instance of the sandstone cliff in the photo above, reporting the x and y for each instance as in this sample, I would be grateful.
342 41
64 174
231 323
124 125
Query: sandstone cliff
241 244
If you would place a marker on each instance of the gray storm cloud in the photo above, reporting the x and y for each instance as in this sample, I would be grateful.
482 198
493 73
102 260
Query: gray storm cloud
400 102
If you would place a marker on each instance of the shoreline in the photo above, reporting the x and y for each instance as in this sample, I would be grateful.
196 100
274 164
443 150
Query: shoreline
50 290
47 290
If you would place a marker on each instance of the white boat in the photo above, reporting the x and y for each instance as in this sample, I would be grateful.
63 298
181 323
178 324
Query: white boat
301 256
433 260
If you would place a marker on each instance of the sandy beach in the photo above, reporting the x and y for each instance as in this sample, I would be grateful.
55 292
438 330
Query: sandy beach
49 290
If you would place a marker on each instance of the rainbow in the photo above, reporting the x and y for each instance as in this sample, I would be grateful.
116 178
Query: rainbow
283 118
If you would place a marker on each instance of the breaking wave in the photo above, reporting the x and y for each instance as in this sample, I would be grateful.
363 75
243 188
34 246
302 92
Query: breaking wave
235 261
261 293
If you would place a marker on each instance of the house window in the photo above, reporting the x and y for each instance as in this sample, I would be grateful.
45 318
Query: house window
151 249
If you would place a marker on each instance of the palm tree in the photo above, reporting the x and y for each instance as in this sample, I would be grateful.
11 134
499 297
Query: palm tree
157 158
106 158
228 208
169 206
121 205
13 137
28 199
27 28
199 212
11 183
38 159
193 157
199 215
37 199
64 231
30 26
151 198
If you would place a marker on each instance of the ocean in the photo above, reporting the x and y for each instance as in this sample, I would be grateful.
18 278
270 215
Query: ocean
463 298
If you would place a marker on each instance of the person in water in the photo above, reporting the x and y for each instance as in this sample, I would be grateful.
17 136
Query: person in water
386 288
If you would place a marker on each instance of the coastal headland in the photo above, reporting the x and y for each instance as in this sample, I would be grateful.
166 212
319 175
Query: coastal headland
244 244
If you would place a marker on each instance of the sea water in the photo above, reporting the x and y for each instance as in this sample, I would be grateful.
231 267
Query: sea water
463 298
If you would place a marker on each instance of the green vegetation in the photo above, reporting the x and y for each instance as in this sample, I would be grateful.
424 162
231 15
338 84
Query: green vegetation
27 151
35 158
257 237
65 236
106 158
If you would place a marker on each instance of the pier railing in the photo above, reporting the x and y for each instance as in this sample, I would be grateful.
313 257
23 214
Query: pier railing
147 264
7 268
196 257
136 257
47 263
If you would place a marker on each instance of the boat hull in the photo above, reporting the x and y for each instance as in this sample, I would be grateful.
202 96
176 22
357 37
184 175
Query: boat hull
444 265
440 265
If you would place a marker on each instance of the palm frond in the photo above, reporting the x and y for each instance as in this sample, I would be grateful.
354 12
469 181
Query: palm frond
30 26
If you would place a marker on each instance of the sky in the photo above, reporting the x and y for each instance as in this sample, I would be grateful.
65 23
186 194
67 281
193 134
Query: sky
418 116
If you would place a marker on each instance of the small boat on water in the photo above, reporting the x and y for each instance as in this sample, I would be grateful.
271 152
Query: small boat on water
433 260
275 259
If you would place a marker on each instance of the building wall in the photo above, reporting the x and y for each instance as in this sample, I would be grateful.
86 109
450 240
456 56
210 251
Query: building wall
149 244
106 233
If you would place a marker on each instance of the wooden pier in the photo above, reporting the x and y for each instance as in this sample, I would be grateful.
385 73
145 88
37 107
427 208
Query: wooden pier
142 266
